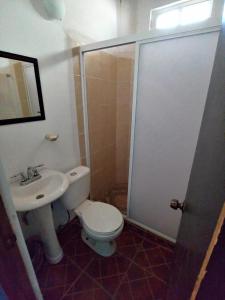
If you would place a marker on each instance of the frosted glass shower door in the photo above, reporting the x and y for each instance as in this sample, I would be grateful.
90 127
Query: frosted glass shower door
173 81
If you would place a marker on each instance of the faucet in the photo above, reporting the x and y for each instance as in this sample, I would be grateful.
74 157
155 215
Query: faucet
32 175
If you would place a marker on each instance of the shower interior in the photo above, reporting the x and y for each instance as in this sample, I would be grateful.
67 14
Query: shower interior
109 88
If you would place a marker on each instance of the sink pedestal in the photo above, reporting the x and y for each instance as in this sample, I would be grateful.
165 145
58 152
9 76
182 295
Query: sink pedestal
53 250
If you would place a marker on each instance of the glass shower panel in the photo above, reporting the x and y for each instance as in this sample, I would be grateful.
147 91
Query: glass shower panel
109 79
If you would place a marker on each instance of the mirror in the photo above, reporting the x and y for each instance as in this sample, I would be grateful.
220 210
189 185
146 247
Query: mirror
20 89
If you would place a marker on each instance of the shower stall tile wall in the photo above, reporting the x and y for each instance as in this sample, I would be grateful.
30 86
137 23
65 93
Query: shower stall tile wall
79 104
109 79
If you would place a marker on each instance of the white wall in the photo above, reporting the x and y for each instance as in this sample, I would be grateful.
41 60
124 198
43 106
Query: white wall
25 31
127 17
143 12
134 15
88 20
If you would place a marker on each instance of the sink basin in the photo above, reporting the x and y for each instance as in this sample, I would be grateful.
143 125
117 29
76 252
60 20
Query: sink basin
37 196
43 191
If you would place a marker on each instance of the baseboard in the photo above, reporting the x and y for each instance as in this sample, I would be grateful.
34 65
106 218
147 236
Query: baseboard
150 229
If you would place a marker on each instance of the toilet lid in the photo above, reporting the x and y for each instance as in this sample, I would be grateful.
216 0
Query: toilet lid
102 217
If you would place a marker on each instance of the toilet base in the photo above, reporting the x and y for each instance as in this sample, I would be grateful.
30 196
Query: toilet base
103 248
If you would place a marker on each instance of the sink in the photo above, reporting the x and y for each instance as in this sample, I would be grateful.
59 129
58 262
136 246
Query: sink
48 188
37 196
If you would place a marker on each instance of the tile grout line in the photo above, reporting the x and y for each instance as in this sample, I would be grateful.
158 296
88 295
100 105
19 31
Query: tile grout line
99 284
78 277
131 261
153 274
89 276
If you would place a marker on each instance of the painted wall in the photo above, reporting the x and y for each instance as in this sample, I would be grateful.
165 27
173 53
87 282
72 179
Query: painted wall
88 20
127 17
143 13
27 30
134 15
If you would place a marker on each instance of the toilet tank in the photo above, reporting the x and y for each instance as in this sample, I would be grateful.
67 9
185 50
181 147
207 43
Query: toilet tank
79 187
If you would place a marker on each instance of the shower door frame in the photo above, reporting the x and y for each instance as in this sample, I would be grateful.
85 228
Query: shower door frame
138 41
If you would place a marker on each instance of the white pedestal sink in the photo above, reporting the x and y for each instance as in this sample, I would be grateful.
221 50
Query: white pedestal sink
37 196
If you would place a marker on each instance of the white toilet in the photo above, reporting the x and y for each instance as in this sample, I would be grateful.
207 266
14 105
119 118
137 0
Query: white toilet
101 222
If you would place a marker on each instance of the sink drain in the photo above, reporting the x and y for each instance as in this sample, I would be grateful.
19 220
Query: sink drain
40 196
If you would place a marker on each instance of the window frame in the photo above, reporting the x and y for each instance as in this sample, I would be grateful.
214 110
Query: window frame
156 12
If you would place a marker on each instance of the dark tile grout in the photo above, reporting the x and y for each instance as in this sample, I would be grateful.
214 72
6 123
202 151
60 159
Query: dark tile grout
75 281
140 233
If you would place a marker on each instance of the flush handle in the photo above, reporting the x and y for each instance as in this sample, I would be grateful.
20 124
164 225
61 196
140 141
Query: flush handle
176 204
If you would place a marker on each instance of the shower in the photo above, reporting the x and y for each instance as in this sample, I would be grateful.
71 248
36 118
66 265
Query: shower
109 86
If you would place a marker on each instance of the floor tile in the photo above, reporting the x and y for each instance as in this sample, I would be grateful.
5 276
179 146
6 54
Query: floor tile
135 272
141 290
161 272
127 251
155 256
94 268
149 244
123 263
128 238
100 294
124 292
142 260
139 270
84 283
111 284
86 295
158 287
109 266
168 254
60 274
53 293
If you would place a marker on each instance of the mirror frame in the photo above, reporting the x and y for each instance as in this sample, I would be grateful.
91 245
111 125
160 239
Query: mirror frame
34 61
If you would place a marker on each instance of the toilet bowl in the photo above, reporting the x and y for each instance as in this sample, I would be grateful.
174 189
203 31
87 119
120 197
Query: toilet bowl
101 223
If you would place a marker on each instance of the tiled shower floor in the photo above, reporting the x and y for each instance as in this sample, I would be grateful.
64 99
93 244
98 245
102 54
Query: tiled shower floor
139 269
119 200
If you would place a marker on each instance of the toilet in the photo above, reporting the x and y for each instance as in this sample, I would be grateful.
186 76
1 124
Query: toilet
101 223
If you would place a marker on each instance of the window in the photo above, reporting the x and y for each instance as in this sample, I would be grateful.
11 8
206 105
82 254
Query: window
180 14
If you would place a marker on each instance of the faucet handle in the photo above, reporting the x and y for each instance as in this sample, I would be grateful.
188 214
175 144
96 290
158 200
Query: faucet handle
34 169
21 175
38 166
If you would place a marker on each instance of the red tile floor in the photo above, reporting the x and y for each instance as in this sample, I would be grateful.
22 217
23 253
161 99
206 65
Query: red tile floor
139 269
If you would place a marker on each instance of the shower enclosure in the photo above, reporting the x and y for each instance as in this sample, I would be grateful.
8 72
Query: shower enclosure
139 119
109 85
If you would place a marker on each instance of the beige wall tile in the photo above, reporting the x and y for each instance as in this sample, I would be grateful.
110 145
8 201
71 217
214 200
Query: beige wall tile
124 69
82 145
76 60
92 64
83 161
124 93
109 95
80 119
78 92
123 119
108 66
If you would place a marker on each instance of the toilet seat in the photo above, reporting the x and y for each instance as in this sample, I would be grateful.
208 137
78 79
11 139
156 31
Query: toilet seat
101 218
